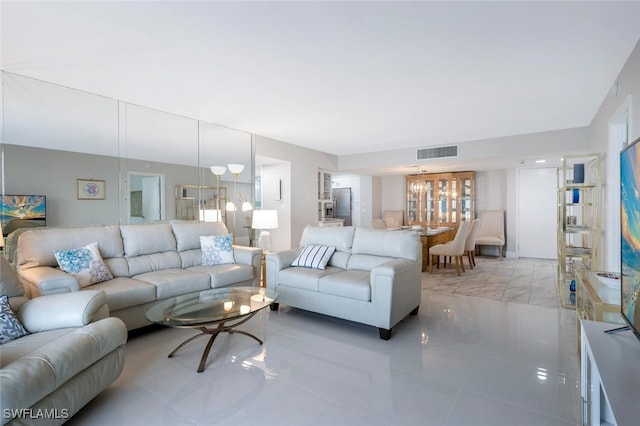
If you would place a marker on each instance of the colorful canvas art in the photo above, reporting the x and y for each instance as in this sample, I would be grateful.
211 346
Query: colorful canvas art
32 208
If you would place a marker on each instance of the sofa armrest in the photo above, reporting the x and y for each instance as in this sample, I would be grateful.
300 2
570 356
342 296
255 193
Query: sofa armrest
75 309
247 255
44 280
396 289
278 261
250 256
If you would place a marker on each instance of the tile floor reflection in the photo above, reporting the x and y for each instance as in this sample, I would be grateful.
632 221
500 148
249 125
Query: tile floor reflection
464 360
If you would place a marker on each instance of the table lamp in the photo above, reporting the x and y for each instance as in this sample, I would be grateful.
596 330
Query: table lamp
263 220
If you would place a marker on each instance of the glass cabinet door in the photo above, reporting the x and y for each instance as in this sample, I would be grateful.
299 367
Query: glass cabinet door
466 197
443 200
429 201
440 199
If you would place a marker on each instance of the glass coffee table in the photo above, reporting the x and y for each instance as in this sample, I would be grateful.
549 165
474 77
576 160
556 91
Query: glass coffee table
215 311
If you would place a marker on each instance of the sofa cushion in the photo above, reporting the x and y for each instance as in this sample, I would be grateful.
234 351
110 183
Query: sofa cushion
123 292
188 234
380 242
174 282
314 257
36 246
147 239
217 249
84 263
10 327
53 358
154 262
339 237
304 278
224 275
366 262
351 284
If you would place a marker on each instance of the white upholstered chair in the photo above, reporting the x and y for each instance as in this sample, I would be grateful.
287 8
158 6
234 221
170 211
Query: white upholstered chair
454 249
470 244
491 232
391 223
378 224
396 215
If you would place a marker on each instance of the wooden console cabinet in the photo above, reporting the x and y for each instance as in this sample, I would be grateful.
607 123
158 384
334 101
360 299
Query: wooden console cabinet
610 380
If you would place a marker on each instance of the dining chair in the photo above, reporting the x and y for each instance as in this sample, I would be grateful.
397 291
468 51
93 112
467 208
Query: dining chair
455 249
470 243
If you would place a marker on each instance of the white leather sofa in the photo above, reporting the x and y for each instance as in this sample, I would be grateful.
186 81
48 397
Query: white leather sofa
373 277
72 353
149 263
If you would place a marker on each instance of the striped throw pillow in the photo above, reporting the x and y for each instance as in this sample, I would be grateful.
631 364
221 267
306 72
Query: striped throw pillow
314 257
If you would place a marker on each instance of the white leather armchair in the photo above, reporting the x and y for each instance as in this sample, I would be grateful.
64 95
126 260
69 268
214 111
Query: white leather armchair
72 353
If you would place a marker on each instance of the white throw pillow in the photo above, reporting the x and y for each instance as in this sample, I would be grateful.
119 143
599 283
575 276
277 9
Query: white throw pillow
217 249
84 263
10 327
314 257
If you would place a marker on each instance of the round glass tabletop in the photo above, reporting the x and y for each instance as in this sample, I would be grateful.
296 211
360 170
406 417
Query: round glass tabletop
210 306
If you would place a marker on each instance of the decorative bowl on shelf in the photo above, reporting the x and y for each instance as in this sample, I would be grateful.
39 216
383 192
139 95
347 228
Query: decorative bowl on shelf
609 279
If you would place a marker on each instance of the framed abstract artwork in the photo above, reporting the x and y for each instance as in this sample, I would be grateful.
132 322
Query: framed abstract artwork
90 189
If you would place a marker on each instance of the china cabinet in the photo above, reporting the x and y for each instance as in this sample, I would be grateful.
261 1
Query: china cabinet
579 229
324 185
325 202
196 202
440 199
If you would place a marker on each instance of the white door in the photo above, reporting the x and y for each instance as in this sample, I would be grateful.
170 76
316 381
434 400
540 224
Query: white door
151 198
537 213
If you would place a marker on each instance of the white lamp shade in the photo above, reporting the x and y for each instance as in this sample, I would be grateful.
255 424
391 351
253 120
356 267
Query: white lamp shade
230 206
218 170
235 168
265 219
210 215
246 206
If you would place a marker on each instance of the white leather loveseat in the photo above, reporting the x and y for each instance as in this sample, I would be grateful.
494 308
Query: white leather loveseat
373 277
149 263
71 353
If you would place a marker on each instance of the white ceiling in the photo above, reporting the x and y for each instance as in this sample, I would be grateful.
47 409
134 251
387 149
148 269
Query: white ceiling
340 77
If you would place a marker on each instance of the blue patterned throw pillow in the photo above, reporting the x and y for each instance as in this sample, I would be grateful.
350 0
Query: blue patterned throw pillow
84 263
217 249
10 327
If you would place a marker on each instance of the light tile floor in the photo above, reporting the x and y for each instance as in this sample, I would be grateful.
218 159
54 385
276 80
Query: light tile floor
529 281
464 360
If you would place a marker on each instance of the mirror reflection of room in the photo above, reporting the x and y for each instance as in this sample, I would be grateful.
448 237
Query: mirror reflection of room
141 154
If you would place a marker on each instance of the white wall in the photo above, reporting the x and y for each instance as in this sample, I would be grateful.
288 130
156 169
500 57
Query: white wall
605 139
302 186
272 176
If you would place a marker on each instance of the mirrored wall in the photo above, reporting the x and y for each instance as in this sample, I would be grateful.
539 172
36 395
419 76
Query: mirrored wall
99 160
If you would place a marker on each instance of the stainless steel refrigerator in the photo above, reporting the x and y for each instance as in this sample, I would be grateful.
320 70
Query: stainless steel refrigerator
342 204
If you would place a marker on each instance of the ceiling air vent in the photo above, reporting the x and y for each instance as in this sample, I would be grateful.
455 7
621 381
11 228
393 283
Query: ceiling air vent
445 151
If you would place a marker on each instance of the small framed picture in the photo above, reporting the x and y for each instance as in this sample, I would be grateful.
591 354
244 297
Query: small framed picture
90 189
